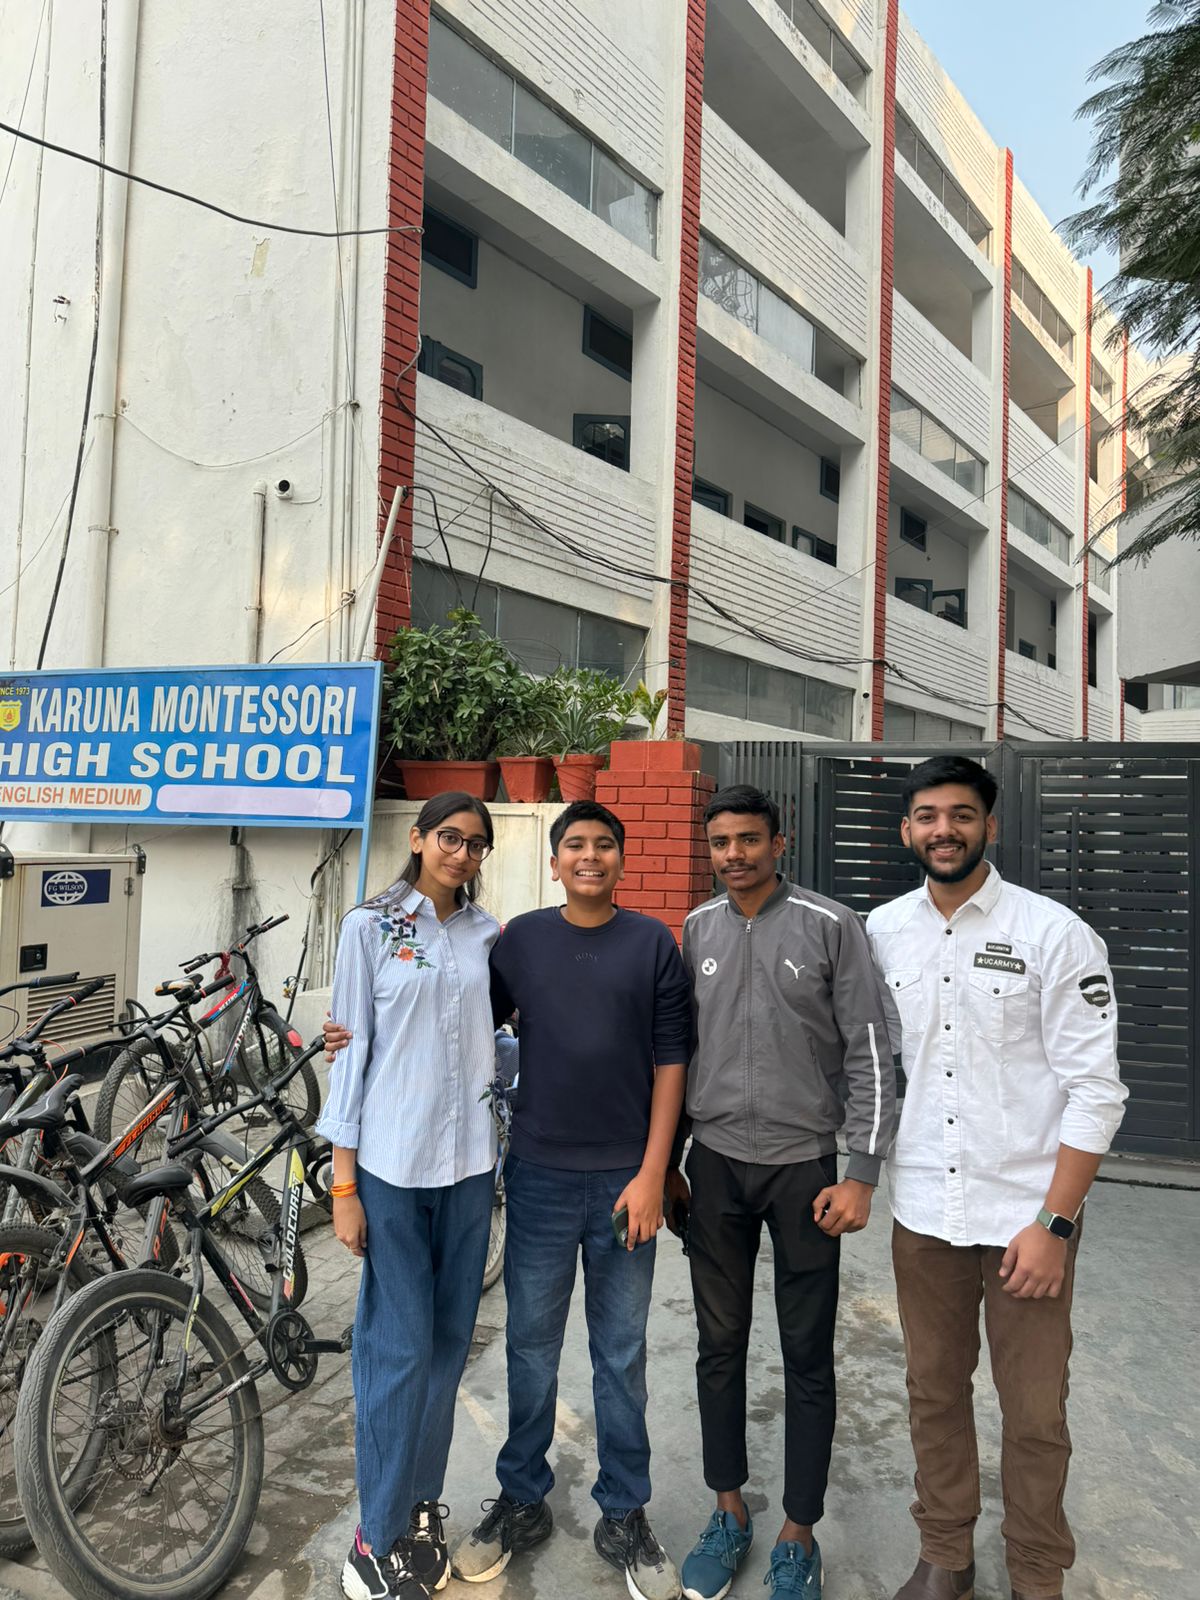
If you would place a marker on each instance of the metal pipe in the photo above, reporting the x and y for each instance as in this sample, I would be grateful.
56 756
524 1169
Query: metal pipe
367 599
258 546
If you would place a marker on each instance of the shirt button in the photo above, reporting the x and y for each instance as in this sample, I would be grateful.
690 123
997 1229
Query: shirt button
949 1074
953 1169
947 1027
949 931
950 1120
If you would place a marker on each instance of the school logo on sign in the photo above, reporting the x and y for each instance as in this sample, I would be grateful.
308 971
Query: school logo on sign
10 715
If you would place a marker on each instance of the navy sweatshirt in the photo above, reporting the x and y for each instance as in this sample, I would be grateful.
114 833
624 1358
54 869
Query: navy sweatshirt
599 1009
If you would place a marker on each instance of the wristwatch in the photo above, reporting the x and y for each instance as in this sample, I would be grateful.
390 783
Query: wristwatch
1060 1227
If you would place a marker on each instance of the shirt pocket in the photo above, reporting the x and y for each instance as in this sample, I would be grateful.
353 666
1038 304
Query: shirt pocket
908 991
998 1003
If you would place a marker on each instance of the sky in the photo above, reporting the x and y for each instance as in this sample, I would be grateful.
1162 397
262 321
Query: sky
1023 67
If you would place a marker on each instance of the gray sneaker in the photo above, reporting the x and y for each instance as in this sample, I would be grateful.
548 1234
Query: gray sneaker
628 1544
506 1530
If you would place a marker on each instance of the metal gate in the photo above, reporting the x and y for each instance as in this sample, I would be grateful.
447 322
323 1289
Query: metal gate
1110 830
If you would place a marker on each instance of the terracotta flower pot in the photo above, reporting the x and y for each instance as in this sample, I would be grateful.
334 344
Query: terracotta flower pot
577 776
424 779
527 778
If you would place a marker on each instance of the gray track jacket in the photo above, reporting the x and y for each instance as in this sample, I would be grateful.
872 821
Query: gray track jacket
792 1033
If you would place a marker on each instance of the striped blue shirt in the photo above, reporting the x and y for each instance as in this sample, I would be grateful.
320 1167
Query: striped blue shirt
414 993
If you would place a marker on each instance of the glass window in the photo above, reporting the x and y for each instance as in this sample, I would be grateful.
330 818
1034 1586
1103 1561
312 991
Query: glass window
912 528
466 81
775 697
707 494
727 283
444 244
448 367
899 723
968 469
827 709
951 606
611 346
906 420
613 647
820 549
541 635
937 446
606 438
621 201
931 729
716 682
764 522
957 204
906 139
915 592
831 479
552 147
1029 651
930 169
784 327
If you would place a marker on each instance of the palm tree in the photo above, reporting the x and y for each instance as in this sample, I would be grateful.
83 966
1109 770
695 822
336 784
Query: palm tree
1147 131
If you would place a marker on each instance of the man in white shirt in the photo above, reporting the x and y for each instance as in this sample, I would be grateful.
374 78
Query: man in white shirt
1009 1048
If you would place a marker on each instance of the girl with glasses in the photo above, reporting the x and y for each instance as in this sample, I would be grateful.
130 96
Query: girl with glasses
414 1151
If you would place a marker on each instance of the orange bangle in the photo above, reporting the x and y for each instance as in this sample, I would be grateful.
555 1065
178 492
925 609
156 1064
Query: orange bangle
343 1191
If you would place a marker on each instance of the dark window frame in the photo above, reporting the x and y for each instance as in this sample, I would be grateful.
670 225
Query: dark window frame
924 584
822 549
749 509
715 491
591 317
831 480
433 352
1029 651
583 419
940 594
907 518
471 279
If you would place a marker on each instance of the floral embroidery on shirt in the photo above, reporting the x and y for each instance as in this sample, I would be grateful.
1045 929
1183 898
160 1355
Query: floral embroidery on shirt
401 933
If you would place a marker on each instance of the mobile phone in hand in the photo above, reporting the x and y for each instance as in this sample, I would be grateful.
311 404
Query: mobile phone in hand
620 1226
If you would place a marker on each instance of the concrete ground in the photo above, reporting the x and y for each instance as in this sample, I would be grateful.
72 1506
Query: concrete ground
1135 1416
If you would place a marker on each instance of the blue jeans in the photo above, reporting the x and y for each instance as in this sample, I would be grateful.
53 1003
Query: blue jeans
421 1282
552 1215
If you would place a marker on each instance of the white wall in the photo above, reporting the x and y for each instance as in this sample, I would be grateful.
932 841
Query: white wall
1029 612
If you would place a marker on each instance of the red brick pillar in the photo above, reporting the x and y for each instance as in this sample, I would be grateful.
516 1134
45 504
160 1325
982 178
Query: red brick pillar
658 791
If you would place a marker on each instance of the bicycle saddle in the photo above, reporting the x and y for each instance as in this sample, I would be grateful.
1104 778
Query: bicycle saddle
49 1112
170 1179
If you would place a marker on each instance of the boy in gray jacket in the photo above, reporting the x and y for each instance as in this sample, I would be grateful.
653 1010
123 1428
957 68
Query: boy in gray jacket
792 1045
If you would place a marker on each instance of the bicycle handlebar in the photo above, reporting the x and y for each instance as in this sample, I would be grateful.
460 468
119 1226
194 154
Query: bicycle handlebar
20 1046
42 982
201 1130
221 955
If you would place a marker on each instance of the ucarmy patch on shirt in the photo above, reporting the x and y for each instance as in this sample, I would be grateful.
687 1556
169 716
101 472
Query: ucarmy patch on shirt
1096 990
996 963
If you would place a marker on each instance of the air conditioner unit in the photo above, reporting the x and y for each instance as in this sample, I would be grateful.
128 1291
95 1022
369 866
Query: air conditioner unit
69 913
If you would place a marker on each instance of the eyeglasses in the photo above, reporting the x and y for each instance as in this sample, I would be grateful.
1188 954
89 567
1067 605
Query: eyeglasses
450 842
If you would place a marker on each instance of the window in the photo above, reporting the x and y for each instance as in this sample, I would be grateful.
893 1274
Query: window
951 606
831 479
1033 522
915 592
829 45
522 123
752 691
936 443
611 346
444 244
820 549
1098 574
1101 382
1052 661
1091 650
1054 613
934 176
541 634
707 494
1136 696
448 367
606 438
1042 310
734 288
904 725
764 522
1029 651
912 529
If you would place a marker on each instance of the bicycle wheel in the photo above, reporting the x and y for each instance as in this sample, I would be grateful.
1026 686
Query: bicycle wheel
167 1509
494 1265
264 1053
27 1285
244 1232
130 1083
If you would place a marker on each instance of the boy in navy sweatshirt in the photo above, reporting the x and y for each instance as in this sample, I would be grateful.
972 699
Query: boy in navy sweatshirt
605 1027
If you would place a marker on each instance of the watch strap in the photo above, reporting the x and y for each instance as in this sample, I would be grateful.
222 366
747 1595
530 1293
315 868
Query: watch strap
1060 1227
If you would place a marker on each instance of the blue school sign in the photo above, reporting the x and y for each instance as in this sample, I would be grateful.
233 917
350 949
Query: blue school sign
280 747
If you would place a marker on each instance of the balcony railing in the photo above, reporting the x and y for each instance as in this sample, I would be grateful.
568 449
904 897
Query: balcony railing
1042 309
827 42
938 446
934 176
1033 522
1099 577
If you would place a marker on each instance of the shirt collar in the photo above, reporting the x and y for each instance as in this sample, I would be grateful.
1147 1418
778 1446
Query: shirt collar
780 892
412 901
985 897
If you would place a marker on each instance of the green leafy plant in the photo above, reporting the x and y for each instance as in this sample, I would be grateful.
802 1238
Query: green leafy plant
589 711
451 692
527 731
648 705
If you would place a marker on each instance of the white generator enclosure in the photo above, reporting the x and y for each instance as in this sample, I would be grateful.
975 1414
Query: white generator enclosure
63 913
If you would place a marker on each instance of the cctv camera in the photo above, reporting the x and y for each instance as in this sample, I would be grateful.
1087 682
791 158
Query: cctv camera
283 488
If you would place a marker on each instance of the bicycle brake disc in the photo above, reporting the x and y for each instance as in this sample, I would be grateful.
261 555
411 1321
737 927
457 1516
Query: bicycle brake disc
288 1340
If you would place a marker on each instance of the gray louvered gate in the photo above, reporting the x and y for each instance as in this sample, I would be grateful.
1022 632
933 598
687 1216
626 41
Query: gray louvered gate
1110 830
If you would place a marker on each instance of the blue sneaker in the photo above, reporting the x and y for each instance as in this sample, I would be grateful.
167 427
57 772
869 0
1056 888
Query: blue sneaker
792 1572
711 1563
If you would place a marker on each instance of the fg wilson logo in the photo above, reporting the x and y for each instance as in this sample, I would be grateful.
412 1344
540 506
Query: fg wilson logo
65 888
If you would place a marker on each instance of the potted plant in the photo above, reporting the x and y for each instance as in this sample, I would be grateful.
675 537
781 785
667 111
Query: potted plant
589 712
524 746
447 690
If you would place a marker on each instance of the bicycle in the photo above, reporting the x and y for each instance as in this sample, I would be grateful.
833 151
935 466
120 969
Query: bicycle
146 1372
261 1044
501 1094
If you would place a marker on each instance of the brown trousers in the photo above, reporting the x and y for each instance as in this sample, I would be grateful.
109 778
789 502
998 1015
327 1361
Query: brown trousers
939 1287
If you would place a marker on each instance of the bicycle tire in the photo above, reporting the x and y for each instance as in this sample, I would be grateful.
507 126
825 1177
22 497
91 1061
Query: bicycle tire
129 1084
21 1291
116 1541
262 1055
493 1267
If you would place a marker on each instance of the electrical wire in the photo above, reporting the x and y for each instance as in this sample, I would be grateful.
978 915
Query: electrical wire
12 154
49 533
423 488
208 205
91 374
222 466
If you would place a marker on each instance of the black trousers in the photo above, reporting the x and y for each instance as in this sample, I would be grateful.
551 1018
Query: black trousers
730 1202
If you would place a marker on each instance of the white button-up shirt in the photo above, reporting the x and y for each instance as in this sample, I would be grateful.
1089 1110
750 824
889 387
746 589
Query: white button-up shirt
414 992
1009 1047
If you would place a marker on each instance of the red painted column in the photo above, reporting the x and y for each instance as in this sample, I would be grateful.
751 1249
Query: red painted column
401 326
685 396
1087 484
1005 363
1124 468
883 442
